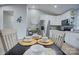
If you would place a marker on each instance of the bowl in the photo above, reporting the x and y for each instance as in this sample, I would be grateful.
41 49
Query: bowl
37 49
28 38
36 36
45 39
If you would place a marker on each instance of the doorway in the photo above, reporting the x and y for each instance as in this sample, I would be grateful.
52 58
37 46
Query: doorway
7 19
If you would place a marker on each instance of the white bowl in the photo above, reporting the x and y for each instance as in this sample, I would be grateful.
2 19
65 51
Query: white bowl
37 49
45 39
36 36
28 38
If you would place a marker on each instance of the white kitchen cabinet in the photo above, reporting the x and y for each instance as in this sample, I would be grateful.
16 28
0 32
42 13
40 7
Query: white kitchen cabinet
62 16
56 20
52 20
67 15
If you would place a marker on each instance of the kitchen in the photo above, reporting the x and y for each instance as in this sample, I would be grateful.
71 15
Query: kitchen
56 22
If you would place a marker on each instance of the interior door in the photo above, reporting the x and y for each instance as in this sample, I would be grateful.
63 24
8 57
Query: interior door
7 19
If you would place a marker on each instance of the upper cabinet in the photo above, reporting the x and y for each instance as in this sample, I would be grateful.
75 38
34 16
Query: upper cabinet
66 15
53 19
35 16
56 20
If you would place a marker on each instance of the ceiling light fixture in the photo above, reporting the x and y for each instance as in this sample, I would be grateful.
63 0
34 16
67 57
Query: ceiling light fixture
55 6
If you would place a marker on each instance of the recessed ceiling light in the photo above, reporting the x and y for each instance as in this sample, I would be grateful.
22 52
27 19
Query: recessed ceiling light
55 6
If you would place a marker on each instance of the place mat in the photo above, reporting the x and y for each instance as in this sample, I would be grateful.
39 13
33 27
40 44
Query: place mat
47 51
27 43
50 42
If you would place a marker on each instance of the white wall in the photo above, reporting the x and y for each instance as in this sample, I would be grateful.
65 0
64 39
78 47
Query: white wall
7 19
1 18
19 10
33 16
77 21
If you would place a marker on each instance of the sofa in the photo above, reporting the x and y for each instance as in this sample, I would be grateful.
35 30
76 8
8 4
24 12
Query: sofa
67 41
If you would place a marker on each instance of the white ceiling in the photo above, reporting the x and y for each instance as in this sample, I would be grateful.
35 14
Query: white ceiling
49 8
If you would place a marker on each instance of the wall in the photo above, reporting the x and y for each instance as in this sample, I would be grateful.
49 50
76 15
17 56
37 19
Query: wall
1 18
19 10
77 21
33 16
7 19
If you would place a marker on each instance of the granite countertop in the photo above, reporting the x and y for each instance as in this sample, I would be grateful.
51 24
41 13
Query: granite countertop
19 50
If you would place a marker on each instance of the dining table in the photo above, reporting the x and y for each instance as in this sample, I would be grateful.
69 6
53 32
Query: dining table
20 48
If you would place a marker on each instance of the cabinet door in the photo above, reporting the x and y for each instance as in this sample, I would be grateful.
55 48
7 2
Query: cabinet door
62 17
52 20
67 15
58 22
